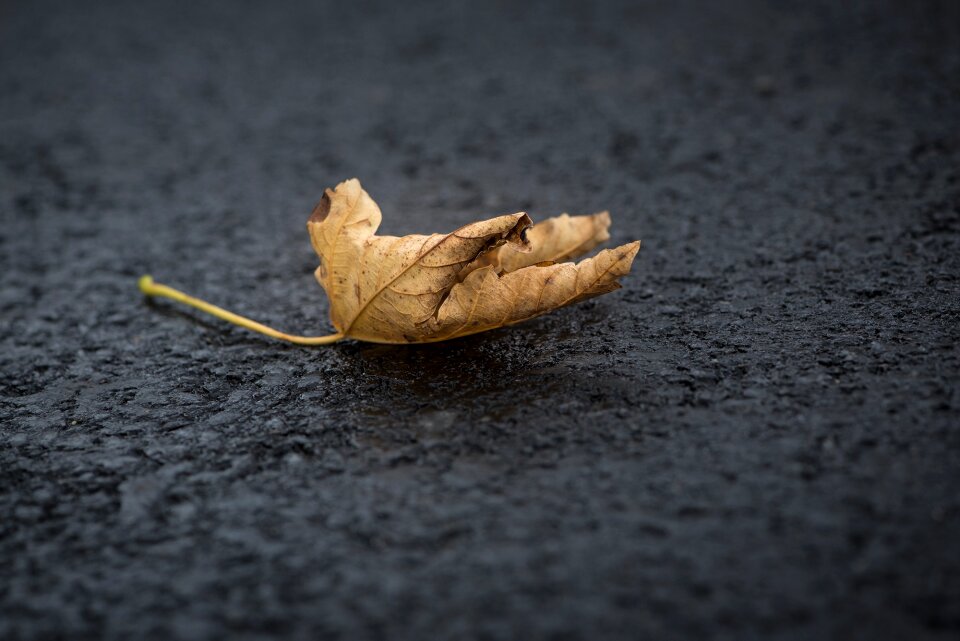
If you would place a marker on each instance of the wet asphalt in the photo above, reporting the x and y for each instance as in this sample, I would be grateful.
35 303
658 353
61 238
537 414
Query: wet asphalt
756 438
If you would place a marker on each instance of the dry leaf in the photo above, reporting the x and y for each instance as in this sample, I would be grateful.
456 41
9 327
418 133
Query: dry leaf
421 289
416 289
553 240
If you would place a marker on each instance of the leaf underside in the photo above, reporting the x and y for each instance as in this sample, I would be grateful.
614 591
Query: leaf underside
427 288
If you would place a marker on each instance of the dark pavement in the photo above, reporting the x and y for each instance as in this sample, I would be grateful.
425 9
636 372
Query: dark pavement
758 437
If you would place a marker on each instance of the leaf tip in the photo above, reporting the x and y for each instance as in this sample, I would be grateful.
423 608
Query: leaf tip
629 251
601 221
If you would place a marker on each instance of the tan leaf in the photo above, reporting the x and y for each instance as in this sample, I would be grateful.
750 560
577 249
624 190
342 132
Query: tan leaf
419 288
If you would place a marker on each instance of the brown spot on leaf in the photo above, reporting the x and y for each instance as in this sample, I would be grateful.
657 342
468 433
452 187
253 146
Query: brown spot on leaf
321 211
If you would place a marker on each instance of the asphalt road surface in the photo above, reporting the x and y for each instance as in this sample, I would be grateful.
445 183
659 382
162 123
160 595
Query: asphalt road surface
756 438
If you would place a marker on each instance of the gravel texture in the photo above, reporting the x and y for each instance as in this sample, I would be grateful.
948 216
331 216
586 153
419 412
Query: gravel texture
756 438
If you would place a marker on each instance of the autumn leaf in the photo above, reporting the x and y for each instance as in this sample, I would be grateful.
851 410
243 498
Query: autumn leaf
427 288
553 240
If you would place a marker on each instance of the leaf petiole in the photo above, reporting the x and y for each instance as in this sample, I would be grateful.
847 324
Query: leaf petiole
150 288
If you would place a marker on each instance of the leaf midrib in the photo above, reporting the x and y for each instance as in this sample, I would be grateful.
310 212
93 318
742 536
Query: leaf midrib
363 308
